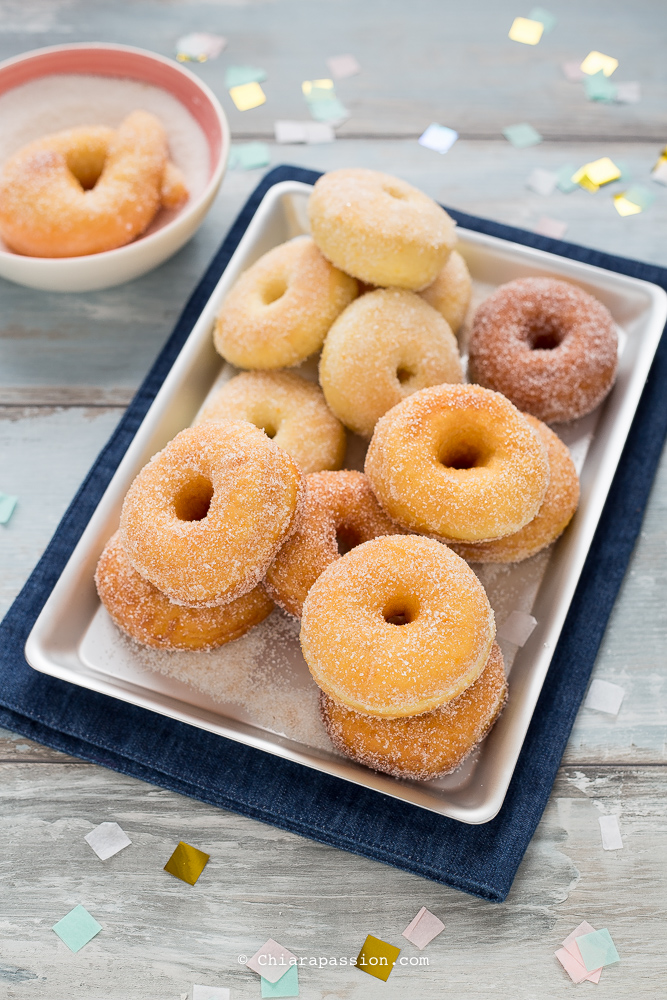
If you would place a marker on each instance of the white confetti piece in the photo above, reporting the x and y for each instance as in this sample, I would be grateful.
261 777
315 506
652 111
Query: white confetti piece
517 628
542 181
271 961
210 993
438 137
107 839
611 835
199 46
423 928
341 67
659 174
312 133
629 93
554 228
604 697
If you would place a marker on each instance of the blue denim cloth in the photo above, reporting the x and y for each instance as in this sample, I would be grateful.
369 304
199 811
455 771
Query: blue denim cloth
481 860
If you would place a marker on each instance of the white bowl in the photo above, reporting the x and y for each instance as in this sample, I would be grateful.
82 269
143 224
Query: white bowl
123 75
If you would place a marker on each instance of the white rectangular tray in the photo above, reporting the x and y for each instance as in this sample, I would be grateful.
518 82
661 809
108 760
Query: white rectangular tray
257 690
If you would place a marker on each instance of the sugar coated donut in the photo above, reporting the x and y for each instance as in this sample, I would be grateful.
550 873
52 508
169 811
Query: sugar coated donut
203 520
339 512
459 462
379 228
547 345
87 190
421 747
558 507
386 345
279 311
141 610
451 291
398 626
289 409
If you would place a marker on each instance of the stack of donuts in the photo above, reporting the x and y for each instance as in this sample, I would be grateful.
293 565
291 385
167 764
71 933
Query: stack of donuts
251 505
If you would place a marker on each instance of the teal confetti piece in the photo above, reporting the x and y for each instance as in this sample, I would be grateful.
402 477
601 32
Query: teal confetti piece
565 182
327 109
236 76
7 505
597 949
639 195
77 928
545 17
249 156
523 135
287 985
599 87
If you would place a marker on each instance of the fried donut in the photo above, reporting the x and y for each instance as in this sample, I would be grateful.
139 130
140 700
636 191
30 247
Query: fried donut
451 291
398 626
386 345
421 747
280 309
141 610
289 409
458 462
558 507
547 345
87 190
204 519
379 228
339 512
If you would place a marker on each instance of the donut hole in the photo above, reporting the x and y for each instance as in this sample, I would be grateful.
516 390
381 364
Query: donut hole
464 452
268 427
400 610
545 336
85 166
273 290
405 374
193 500
347 538
394 192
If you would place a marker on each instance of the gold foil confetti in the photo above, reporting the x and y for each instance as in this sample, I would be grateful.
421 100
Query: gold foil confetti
377 958
310 87
625 207
187 863
247 96
593 175
596 61
526 31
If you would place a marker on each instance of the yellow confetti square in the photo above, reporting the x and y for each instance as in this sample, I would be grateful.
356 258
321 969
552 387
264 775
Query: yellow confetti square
377 958
247 96
596 61
602 171
625 207
526 31
187 863
581 177
308 85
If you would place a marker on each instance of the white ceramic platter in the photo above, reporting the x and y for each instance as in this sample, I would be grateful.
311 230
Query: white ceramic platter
257 690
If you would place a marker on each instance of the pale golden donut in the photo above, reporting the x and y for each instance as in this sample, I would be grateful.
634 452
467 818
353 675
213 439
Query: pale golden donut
339 512
386 345
379 228
458 462
280 309
289 409
558 507
203 520
398 626
87 190
141 610
421 747
451 291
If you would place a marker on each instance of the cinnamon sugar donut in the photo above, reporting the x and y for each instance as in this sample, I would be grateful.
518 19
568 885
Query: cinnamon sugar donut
398 626
289 409
141 610
379 228
558 507
451 291
87 190
547 345
386 345
421 747
280 309
458 462
204 519
339 512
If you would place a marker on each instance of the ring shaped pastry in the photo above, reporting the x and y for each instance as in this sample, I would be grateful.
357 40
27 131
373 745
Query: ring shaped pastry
339 512
458 462
398 626
421 747
379 228
141 610
547 345
290 410
451 291
280 310
204 519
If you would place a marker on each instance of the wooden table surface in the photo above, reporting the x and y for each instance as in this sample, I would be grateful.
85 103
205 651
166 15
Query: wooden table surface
70 363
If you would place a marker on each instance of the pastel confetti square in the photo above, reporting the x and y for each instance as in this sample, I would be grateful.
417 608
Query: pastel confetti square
318 89
312 133
249 156
377 958
271 961
625 207
599 88
602 171
526 30
545 17
329 110
107 839
286 986
77 928
596 61
523 135
553 228
247 96
187 863
210 993
7 505
199 46
342 67
573 71
603 696
517 628
423 928
438 137
629 93
641 196
237 76
565 182
575 967
659 172
597 949
542 181
611 835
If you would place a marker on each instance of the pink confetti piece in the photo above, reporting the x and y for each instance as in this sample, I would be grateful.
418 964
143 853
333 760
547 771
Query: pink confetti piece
341 67
570 945
611 835
551 227
542 181
271 961
573 71
423 928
